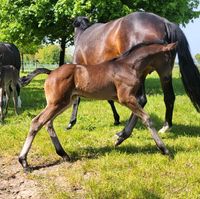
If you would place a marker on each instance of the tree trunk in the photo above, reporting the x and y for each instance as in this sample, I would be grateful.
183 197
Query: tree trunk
62 51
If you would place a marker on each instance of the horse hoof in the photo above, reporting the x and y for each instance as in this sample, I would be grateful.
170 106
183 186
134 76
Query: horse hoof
70 125
27 170
66 158
164 129
119 141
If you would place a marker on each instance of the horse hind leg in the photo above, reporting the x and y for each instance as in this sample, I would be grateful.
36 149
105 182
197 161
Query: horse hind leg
54 138
49 113
15 97
132 104
126 132
169 98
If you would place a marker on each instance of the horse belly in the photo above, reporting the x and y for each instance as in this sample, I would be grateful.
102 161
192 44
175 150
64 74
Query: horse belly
107 93
94 85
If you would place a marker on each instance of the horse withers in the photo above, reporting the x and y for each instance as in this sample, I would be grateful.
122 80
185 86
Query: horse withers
118 79
9 79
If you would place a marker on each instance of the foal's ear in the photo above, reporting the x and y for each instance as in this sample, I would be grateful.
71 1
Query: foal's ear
170 46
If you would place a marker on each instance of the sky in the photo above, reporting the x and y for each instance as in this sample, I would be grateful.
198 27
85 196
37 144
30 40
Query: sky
192 32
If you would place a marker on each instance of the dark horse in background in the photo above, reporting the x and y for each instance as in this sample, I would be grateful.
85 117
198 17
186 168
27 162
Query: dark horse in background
10 55
103 41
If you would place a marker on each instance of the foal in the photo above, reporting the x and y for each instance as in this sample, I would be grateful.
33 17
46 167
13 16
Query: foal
105 81
9 77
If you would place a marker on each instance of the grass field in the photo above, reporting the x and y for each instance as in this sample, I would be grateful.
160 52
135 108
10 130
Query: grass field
135 169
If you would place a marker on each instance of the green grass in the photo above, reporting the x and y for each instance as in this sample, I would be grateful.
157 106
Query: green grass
135 169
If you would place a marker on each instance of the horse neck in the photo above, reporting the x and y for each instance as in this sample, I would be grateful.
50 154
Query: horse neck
78 32
142 55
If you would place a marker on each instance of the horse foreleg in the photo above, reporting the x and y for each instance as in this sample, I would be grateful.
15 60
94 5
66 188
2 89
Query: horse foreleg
115 114
37 123
137 109
126 132
58 147
169 98
74 113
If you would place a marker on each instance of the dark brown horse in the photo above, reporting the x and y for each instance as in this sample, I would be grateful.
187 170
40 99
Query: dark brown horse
10 55
118 79
100 42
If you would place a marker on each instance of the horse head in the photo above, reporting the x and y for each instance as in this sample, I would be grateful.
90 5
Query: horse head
81 22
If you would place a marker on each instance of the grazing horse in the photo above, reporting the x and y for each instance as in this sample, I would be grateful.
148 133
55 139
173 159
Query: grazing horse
9 78
118 79
10 55
104 41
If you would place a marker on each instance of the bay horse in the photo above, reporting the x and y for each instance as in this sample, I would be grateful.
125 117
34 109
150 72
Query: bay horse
118 79
10 55
104 41
9 79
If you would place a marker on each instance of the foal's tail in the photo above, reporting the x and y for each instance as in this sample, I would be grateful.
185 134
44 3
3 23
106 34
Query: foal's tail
25 80
189 71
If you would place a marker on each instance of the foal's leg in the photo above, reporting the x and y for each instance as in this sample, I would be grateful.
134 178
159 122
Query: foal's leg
15 98
126 132
37 123
169 98
58 147
8 94
132 104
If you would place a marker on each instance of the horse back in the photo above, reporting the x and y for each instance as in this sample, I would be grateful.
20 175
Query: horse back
102 42
9 55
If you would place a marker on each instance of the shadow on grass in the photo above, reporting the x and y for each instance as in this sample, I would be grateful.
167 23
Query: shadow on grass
47 165
94 153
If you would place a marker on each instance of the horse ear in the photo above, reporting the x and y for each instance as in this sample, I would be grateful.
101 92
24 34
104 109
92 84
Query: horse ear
170 46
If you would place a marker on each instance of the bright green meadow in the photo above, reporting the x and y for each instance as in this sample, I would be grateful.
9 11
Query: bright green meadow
98 170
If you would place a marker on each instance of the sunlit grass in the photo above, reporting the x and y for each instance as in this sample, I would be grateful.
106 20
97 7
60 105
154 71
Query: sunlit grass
136 169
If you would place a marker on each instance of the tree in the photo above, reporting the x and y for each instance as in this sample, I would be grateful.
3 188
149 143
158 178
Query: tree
33 21
48 54
197 57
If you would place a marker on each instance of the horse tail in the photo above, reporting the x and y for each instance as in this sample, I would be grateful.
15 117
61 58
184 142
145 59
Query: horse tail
189 72
25 80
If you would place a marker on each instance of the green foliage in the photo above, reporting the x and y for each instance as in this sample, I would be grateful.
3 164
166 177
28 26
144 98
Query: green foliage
197 57
27 23
48 54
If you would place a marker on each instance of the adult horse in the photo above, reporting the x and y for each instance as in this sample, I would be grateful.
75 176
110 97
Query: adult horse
103 41
117 79
10 55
